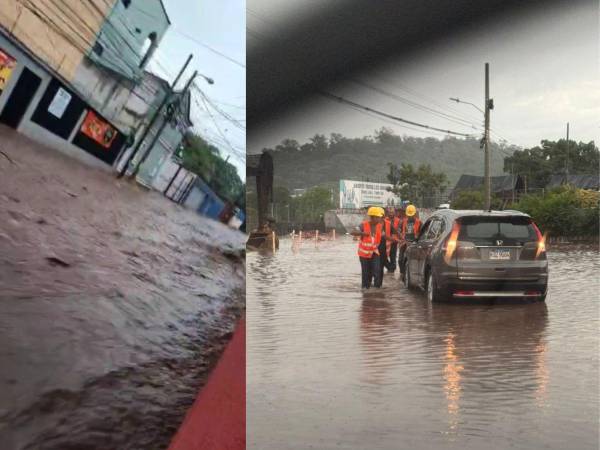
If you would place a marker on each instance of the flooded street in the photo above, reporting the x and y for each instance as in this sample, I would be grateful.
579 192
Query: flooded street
115 304
332 368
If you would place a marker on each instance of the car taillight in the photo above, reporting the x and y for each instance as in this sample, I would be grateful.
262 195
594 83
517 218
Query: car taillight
464 293
541 241
450 245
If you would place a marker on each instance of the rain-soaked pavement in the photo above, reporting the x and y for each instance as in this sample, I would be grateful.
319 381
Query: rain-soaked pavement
332 368
114 305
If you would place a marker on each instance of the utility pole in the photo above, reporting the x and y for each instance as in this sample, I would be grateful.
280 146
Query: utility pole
163 125
155 117
487 180
567 167
513 181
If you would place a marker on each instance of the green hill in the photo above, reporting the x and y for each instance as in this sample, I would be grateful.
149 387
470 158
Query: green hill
324 161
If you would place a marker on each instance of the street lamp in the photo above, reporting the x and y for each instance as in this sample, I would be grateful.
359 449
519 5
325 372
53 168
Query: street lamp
209 80
457 100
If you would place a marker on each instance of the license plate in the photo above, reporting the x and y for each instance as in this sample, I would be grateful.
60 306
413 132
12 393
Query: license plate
500 254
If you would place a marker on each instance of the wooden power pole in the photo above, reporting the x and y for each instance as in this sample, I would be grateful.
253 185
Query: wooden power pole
486 143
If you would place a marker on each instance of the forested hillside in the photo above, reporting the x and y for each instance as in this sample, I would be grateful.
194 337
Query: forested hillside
325 160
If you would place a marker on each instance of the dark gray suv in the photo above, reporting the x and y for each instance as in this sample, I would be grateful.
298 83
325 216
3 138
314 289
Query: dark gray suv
478 254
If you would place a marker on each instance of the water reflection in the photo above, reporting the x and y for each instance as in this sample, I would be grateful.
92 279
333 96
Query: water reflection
452 378
376 321
360 370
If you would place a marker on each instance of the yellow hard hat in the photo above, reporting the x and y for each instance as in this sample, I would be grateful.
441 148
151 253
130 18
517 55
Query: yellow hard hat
411 210
381 211
372 211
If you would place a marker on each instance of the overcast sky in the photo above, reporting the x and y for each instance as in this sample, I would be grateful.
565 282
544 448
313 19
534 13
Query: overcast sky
220 25
544 72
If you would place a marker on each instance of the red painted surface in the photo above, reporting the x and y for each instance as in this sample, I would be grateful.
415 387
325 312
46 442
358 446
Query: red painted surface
217 420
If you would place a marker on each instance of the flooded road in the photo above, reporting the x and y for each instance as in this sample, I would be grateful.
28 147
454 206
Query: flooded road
332 368
115 304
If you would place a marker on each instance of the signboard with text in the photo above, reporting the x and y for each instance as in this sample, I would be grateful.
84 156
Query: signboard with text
7 65
360 194
59 103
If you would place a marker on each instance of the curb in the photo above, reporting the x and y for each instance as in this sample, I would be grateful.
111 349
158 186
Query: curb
217 419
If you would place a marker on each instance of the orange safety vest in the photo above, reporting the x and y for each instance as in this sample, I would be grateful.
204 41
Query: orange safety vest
368 244
416 226
396 222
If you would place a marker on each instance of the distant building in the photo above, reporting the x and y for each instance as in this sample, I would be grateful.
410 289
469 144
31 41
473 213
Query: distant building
297 193
503 186
591 182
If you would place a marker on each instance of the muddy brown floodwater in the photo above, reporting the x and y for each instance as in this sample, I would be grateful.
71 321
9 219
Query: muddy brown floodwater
332 368
115 304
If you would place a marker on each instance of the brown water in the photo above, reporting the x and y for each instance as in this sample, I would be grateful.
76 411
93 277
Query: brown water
332 368
114 305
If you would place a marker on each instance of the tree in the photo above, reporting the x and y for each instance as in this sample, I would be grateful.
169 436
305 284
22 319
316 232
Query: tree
416 184
319 143
205 160
538 164
474 199
310 207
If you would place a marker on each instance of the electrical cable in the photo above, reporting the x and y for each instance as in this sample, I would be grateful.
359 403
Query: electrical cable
389 116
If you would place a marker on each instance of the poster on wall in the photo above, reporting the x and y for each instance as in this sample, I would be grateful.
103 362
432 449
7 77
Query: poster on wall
7 65
99 130
359 194
59 103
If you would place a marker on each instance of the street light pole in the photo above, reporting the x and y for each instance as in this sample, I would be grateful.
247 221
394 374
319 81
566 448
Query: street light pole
487 179
155 117
162 127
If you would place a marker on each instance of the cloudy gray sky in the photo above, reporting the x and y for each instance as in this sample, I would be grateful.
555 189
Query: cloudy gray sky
544 72
215 33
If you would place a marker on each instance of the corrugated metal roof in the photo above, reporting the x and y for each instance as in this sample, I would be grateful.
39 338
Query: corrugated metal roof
579 181
499 183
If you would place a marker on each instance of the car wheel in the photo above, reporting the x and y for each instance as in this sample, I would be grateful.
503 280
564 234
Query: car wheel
433 293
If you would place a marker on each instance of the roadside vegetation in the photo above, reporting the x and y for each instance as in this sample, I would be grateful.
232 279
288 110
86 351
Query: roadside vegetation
307 208
205 160
565 211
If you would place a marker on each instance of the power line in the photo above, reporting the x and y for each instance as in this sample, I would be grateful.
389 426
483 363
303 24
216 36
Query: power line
193 39
227 142
231 119
417 94
389 116
418 106
208 47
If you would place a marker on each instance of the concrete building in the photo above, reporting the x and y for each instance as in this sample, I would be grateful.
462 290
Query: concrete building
72 73
159 146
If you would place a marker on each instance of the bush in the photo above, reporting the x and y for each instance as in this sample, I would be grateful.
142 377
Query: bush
474 199
565 211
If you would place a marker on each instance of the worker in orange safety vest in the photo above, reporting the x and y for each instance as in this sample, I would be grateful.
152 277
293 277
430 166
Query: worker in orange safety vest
409 229
392 233
370 234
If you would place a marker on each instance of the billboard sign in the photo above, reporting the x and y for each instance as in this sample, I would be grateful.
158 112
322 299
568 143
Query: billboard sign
360 194
97 129
7 65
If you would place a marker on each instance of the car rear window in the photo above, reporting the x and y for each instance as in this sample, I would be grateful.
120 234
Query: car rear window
488 230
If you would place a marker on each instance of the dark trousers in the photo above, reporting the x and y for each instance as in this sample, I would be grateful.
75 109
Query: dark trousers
390 263
401 252
371 271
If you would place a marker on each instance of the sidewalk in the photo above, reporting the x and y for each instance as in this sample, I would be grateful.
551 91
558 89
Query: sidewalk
217 420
